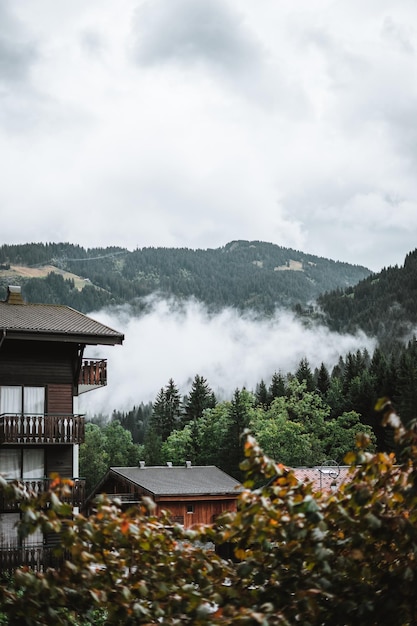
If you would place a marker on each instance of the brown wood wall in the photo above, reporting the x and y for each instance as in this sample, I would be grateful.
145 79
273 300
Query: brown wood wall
205 512
59 460
59 399
37 363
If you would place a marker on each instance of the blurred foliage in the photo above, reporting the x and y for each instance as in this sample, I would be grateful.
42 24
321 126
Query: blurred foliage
298 556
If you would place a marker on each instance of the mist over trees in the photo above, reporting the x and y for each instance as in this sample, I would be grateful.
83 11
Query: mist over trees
300 419
255 276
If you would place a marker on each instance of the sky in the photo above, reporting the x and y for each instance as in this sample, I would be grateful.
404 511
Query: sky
192 123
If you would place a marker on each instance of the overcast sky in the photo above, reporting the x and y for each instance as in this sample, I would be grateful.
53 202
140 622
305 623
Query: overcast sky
195 122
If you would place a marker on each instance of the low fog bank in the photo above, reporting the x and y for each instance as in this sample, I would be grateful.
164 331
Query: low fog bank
229 349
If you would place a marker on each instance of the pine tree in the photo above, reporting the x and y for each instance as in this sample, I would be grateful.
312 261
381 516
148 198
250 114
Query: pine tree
166 410
173 409
239 415
158 419
201 397
323 380
277 388
304 373
261 394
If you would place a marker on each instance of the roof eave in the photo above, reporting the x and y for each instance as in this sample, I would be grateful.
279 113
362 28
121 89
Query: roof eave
88 339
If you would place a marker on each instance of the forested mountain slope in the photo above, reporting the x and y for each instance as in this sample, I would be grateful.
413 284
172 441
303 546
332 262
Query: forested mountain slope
383 304
242 274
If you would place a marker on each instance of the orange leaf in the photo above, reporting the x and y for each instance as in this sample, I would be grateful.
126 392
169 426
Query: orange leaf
124 526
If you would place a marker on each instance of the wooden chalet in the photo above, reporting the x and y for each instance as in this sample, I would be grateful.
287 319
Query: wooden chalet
191 494
42 371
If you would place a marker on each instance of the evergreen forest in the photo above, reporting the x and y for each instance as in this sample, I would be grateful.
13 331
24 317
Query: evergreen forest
383 305
242 274
302 418
299 418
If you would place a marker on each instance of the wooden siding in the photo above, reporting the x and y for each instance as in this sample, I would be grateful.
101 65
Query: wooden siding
59 399
37 363
205 511
59 459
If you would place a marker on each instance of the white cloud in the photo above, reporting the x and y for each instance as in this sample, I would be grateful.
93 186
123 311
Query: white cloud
229 350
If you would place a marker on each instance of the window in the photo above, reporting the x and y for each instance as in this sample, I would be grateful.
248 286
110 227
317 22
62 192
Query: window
22 463
27 400
25 464
8 533
10 400
22 412
190 508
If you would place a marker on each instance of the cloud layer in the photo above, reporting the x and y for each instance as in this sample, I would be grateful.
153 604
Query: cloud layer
184 123
229 350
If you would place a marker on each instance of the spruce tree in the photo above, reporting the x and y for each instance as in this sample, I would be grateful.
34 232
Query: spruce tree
261 394
323 380
277 388
304 373
201 397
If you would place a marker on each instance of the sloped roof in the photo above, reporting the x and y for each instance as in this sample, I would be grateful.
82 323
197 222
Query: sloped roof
180 481
54 321
324 478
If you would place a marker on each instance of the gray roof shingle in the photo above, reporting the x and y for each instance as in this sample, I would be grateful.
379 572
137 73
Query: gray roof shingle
175 481
26 319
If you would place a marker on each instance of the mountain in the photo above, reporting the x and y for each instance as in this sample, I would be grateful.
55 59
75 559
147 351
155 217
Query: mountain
242 274
383 305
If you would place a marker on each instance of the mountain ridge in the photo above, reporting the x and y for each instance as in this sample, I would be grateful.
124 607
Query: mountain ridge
243 274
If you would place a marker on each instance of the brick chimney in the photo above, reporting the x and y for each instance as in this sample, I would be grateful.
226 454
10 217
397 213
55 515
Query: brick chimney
14 295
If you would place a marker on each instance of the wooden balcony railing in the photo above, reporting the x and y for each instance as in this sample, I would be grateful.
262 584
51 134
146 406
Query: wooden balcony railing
37 558
125 498
76 497
41 428
93 373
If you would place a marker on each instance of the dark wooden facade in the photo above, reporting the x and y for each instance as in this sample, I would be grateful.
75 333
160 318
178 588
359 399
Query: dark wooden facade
41 352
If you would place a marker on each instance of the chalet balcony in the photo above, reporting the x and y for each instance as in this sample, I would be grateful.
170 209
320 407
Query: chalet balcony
125 498
93 374
41 428
76 497
38 558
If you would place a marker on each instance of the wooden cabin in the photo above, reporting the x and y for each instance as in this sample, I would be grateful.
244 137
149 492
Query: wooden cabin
42 372
191 494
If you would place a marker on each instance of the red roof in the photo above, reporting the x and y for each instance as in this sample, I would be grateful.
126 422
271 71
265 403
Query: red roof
324 478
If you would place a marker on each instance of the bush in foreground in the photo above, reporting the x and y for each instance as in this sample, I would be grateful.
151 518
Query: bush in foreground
347 557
